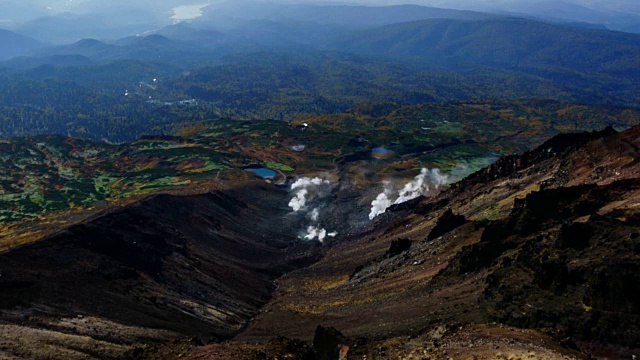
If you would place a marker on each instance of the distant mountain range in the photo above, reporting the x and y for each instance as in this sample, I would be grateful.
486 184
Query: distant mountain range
508 42
272 69
13 44
613 18
113 22
66 28
155 48
348 16
501 42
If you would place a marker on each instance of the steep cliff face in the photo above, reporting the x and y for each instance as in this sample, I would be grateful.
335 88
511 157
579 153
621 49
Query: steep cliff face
560 261
163 268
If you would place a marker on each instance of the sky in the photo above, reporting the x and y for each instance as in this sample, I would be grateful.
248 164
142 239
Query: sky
24 10
84 5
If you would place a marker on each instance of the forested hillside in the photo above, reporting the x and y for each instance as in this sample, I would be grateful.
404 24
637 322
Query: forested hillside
116 91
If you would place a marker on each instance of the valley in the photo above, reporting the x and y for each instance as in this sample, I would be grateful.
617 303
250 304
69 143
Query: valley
478 261
262 180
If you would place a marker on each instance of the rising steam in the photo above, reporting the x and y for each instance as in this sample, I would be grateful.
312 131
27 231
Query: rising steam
304 189
315 214
299 201
420 185
316 232
381 203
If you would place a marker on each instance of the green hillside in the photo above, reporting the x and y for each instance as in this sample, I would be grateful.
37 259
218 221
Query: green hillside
53 173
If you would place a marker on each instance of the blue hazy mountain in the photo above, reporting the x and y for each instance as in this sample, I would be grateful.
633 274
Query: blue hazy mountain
504 42
13 44
350 16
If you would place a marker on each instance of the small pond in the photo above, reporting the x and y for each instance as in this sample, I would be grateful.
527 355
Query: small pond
263 172
381 150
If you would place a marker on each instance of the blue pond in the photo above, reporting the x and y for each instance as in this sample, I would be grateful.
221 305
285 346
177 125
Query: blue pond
263 172
381 150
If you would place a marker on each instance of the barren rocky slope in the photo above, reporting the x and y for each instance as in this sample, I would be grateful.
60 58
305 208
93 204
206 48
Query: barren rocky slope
545 261
536 256
163 268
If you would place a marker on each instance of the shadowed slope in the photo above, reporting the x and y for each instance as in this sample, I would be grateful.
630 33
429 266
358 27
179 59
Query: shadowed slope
165 267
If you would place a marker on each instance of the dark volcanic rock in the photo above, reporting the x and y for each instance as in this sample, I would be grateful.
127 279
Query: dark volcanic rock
447 222
554 147
330 344
574 235
398 247
190 265
584 280
615 288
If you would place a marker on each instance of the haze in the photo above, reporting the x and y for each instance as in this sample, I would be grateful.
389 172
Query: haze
66 21
23 10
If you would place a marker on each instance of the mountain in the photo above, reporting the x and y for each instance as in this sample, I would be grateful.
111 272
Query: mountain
348 16
501 42
287 181
537 252
68 27
28 62
153 48
565 55
151 275
184 32
14 44
611 17
237 77
89 48
619 15
325 68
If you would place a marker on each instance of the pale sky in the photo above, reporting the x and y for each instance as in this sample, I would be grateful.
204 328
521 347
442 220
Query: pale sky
22 10
61 5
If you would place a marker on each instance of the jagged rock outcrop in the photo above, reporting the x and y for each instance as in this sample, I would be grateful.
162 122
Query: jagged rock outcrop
330 344
553 148
447 222
397 247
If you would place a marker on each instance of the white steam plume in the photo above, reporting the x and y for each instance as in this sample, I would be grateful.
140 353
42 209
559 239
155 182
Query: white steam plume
317 232
420 185
315 214
305 187
381 203
305 182
299 201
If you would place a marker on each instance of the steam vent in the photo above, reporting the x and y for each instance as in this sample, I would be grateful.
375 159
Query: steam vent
313 180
